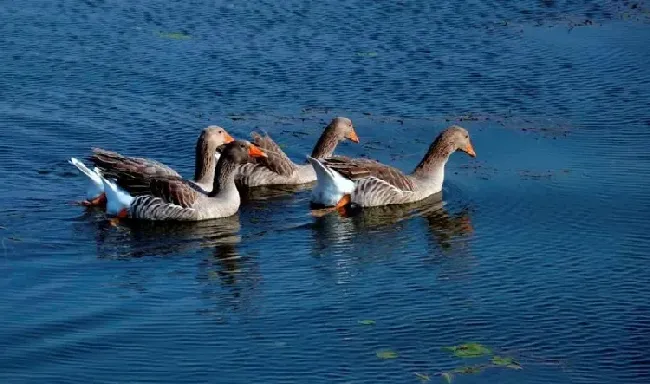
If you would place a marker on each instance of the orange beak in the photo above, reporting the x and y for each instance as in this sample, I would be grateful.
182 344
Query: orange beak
254 151
469 150
227 138
352 136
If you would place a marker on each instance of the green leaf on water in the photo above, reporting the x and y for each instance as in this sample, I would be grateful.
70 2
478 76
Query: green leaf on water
447 377
174 35
469 350
387 354
498 360
422 376
469 370
367 322
507 362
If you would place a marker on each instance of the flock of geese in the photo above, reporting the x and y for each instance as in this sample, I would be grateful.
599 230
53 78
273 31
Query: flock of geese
141 188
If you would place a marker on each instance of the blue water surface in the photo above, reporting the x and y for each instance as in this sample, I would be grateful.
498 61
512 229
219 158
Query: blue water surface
539 249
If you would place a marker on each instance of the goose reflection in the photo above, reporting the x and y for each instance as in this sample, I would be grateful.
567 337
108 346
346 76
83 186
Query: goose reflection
443 226
137 238
229 281
417 232
448 230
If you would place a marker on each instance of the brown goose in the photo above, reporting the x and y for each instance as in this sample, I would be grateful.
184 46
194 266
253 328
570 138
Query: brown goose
367 183
174 198
278 169
117 166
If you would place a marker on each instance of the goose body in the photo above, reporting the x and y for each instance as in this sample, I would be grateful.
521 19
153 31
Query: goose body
370 183
177 199
114 165
278 169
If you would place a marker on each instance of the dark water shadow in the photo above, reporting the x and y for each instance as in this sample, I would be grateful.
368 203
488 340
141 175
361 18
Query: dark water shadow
249 195
385 224
229 281
139 238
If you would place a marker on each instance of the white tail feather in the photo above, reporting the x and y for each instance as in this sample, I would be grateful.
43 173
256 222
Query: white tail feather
96 187
116 199
323 173
82 167
330 185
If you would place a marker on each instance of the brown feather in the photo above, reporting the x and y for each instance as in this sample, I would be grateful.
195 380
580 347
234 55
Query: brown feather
115 162
356 169
276 160
131 173
174 191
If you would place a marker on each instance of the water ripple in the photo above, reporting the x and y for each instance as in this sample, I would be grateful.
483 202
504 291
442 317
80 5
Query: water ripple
535 249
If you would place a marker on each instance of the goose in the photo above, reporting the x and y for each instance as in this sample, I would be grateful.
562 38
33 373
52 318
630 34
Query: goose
111 164
367 183
278 169
177 199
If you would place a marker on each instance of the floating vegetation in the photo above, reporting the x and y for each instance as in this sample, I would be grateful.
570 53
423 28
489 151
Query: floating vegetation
507 362
466 370
470 370
174 35
469 350
539 175
422 376
475 350
367 322
387 354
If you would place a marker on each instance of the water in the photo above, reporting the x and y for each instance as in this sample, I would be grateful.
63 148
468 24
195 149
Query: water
538 250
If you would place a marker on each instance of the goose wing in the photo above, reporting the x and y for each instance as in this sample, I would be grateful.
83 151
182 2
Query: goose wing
358 169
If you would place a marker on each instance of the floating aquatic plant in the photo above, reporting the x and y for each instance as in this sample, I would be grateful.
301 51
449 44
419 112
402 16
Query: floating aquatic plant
466 370
367 322
469 350
507 362
174 35
470 370
387 354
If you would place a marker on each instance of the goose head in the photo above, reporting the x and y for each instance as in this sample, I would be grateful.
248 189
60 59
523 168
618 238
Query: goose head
241 151
344 129
456 138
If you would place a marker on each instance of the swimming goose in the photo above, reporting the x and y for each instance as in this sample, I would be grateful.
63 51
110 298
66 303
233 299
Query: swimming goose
278 169
367 183
174 198
112 164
